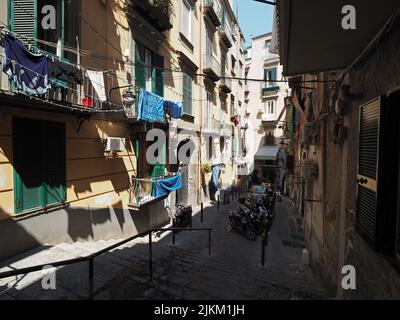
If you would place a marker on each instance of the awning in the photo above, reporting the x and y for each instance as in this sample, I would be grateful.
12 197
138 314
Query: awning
266 153
312 39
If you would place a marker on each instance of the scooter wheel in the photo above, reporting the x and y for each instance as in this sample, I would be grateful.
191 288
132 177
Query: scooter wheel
251 233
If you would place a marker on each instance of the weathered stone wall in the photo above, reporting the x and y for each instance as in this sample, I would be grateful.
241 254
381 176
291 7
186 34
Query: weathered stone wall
375 75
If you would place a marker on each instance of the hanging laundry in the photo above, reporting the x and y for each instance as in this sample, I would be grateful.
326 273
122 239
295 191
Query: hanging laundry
164 186
28 71
97 80
150 107
65 72
216 172
174 109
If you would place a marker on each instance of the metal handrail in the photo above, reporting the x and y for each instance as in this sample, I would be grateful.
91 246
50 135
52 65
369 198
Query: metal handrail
90 258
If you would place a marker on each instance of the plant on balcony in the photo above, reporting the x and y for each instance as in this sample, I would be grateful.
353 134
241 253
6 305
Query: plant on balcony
206 167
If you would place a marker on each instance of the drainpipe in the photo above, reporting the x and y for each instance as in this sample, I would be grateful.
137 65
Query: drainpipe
199 194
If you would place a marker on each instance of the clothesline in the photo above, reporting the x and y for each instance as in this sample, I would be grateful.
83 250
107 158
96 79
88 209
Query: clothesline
156 178
43 76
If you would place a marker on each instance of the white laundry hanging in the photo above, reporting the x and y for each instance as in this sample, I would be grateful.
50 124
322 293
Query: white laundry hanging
97 80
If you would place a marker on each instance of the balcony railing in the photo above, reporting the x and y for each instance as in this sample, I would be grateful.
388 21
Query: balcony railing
214 10
269 88
225 33
216 125
157 12
225 83
270 56
266 117
141 191
211 66
82 96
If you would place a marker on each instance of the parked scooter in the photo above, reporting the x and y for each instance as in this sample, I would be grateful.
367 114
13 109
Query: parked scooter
245 222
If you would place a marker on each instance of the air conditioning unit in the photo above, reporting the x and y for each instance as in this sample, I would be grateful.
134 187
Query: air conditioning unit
113 144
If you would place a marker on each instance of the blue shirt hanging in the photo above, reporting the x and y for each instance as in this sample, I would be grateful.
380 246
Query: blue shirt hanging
150 107
174 109
28 71
165 186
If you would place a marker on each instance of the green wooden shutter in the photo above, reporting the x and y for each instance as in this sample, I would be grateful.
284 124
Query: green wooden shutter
23 17
273 76
39 164
187 93
158 75
159 169
140 66
28 166
54 162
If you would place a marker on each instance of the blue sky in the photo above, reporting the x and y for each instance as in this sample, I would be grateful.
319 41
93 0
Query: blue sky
254 17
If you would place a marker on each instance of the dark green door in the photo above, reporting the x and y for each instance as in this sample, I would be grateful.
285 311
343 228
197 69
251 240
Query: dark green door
39 164
28 166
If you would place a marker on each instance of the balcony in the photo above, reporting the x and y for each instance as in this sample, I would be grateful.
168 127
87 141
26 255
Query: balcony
156 12
268 117
225 84
225 34
269 88
270 56
211 66
142 191
66 97
216 125
213 9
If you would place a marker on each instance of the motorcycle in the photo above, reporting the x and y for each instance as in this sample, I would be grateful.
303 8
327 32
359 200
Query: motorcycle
244 221
183 216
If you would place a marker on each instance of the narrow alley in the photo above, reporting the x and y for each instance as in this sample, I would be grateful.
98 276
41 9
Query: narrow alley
184 270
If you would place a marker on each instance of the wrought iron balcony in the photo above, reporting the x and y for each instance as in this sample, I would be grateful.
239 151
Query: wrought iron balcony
211 66
270 56
267 117
225 34
269 88
79 97
216 125
156 12
213 9
141 191
225 84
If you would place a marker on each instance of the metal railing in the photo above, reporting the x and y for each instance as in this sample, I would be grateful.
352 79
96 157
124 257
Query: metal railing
226 82
141 190
226 30
90 258
266 86
216 124
270 55
215 5
81 95
210 63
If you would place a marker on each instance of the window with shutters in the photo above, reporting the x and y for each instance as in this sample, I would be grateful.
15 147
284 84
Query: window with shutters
149 71
39 164
270 77
30 19
187 94
186 20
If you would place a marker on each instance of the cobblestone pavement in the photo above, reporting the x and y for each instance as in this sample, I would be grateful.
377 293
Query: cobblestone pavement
184 270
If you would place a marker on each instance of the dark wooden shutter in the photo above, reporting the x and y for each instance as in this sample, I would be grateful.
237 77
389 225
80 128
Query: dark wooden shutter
366 218
140 66
158 75
28 166
54 162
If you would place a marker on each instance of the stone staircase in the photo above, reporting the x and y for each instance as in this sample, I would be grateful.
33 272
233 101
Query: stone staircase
181 271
